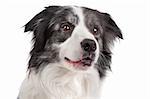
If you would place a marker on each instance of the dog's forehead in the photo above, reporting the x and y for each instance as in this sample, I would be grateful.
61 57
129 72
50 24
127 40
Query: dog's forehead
76 14
86 15
78 11
68 13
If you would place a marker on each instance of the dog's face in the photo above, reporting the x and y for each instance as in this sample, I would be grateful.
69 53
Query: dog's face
76 37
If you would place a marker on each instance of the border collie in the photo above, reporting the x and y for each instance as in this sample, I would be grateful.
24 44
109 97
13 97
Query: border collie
71 53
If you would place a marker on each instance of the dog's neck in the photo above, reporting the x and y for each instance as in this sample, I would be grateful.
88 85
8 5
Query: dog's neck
56 82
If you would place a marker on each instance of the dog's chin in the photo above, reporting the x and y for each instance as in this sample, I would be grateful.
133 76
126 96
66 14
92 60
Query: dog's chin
81 64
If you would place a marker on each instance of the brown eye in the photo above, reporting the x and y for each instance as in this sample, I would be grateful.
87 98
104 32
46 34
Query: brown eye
65 27
95 30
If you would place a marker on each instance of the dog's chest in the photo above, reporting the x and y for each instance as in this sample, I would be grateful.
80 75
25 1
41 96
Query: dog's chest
70 88
63 84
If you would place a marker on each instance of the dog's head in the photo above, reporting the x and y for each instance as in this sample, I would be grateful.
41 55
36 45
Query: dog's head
78 38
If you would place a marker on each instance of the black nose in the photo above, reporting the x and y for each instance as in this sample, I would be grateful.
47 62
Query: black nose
88 45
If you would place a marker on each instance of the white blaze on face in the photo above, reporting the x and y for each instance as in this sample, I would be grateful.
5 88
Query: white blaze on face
71 48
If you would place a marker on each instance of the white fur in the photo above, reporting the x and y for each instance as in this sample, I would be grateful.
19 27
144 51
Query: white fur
60 80
55 82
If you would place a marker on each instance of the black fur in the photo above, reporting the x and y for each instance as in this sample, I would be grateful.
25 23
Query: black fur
39 24
111 32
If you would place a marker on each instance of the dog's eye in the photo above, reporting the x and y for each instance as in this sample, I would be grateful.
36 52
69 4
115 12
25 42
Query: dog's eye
65 27
95 30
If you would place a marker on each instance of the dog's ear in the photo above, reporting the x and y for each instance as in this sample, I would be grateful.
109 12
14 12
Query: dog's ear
110 31
110 27
38 25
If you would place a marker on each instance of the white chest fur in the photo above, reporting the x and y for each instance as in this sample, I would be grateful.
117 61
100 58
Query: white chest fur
55 82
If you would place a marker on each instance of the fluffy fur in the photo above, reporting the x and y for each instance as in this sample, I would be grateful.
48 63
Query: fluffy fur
61 66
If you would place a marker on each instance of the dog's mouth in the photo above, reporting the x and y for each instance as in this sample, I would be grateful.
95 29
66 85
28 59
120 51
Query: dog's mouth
87 61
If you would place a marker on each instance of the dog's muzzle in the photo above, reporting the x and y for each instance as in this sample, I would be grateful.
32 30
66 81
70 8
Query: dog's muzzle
88 47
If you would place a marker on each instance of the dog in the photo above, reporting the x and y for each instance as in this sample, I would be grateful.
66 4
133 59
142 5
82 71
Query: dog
71 53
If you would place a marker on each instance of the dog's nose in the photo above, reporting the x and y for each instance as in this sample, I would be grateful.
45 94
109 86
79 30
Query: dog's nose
88 45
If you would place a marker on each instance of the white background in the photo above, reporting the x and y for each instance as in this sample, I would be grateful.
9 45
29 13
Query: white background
130 76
